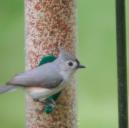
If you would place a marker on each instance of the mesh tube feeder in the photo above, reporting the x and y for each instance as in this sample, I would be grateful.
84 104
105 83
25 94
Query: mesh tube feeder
50 24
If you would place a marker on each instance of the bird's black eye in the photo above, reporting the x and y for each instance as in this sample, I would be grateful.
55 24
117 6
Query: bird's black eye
70 63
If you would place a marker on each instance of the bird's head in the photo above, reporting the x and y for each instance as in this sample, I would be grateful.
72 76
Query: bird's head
68 63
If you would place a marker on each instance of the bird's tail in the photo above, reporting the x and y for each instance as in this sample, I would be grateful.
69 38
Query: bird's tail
7 88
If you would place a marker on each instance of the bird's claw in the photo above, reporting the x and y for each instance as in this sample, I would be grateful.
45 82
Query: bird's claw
49 106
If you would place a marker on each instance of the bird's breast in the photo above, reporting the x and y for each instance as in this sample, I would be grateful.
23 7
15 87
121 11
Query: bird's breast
44 93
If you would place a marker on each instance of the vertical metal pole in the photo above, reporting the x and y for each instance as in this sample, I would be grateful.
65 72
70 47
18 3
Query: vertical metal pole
121 63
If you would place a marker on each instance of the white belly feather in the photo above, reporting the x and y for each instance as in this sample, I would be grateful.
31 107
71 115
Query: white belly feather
43 93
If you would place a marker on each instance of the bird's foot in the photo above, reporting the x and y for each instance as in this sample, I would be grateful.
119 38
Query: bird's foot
50 105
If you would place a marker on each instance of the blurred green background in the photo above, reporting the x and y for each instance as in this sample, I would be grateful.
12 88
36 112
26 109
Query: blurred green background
97 85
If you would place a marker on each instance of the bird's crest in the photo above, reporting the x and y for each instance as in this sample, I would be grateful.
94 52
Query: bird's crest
65 55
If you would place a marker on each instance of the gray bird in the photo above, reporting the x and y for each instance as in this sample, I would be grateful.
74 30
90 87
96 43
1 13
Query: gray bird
47 79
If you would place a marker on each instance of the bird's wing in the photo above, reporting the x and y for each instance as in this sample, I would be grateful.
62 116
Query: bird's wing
37 78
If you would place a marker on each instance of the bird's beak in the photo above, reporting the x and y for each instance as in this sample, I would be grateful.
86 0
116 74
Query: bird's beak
81 66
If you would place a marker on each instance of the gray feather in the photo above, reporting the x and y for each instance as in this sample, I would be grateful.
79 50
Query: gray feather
46 76
7 88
